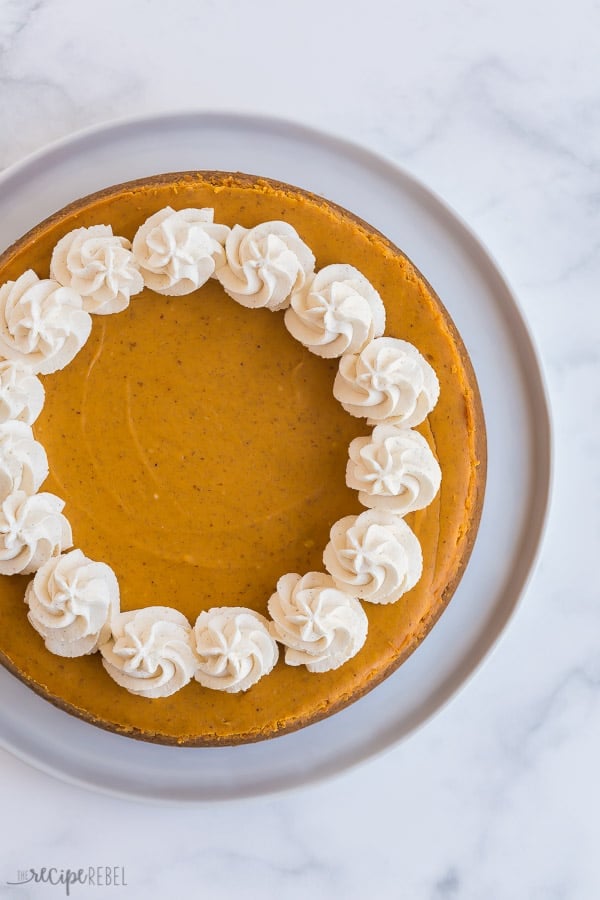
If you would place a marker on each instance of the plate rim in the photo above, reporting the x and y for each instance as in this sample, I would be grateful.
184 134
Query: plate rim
542 483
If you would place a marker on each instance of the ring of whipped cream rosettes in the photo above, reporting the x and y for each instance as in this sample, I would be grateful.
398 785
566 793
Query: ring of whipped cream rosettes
73 601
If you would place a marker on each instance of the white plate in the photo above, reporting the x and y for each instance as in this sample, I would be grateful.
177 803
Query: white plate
486 313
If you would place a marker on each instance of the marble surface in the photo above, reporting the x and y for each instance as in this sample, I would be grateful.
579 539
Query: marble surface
497 107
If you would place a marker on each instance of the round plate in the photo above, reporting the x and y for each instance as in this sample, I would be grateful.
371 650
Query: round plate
485 312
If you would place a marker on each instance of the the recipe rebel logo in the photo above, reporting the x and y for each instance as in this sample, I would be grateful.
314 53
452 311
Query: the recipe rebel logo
92 876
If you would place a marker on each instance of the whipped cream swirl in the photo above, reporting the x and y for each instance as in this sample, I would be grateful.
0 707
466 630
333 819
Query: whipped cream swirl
234 648
336 312
32 530
99 266
388 380
374 556
23 460
71 601
393 469
178 252
265 265
150 652
321 626
21 393
42 324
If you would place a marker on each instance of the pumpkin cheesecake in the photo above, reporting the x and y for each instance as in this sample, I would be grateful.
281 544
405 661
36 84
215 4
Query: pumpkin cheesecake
208 450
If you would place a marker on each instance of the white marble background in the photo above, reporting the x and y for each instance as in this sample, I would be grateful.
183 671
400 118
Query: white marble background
496 105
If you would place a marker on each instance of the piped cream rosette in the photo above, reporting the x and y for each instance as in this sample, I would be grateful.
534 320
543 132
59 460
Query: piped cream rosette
337 311
265 265
99 266
43 325
177 252
150 651
73 602
374 556
23 460
21 393
393 469
321 626
387 381
234 648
